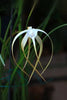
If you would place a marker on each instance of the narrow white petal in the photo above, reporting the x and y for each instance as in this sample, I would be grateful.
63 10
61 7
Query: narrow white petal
22 32
42 32
38 57
24 41
40 43
41 46
29 43
33 40
51 51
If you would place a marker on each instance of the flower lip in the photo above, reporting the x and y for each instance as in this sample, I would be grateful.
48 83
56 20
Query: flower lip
32 33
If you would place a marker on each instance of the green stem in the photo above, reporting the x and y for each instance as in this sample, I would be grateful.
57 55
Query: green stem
19 27
0 26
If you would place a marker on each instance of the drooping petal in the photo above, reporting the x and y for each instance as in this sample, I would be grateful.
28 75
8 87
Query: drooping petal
24 41
41 48
22 32
49 59
39 30
33 40
40 43
51 51
33 67
29 42
40 52
15 38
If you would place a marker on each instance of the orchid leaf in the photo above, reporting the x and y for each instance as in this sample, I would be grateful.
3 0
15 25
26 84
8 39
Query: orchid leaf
2 61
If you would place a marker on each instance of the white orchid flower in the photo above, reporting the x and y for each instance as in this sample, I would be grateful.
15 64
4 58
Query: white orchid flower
32 33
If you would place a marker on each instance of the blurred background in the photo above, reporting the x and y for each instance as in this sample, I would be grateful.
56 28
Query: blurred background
47 15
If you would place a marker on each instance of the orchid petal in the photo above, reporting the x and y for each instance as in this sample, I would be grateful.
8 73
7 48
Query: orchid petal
28 53
33 40
40 43
51 51
40 52
36 51
33 66
15 38
24 41
22 32
41 47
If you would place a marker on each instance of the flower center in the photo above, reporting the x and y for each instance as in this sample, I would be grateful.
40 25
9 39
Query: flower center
32 33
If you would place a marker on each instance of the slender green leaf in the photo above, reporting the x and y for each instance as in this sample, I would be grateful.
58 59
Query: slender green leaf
32 9
0 26
46 20
54 29
2 61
